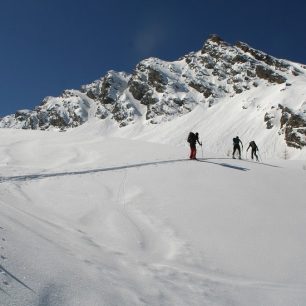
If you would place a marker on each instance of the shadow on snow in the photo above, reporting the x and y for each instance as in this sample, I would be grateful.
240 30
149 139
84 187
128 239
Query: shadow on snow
244 160
48 175
224 165
58 174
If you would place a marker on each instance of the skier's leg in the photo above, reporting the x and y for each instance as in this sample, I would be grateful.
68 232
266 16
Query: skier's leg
193 152
234 150
256 155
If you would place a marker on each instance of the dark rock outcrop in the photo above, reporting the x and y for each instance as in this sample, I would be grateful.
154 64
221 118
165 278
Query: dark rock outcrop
294 127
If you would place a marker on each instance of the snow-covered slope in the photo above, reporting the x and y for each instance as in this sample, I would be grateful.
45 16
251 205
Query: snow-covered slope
237 90
88 218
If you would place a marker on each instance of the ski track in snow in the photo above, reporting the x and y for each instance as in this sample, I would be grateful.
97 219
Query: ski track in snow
6 277
122 201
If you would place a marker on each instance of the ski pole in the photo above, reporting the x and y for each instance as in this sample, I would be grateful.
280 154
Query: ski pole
259 156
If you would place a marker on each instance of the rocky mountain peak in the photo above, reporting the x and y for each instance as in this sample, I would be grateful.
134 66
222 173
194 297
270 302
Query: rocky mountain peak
161 91
214 38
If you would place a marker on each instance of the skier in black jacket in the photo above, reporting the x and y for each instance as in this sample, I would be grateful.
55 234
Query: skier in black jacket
236 144
254 148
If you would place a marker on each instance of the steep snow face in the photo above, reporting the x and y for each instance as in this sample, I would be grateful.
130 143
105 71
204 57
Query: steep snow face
261 92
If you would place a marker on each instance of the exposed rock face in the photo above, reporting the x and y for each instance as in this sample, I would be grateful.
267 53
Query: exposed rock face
269 75
219 69
263 57
294 127
269 120
66 111
109 98
161 91
159 86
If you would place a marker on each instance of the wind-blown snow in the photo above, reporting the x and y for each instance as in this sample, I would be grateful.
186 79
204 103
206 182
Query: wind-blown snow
87 219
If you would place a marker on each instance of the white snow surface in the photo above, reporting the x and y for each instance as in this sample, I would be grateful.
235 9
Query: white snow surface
101 215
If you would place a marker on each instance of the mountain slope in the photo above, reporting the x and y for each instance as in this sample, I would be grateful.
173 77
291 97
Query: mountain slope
92 220
241 78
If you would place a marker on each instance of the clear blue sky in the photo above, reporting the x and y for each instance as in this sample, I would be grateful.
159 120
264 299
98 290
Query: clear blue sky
50 45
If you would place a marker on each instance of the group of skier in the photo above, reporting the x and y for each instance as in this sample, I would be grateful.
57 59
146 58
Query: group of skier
252 145
193 139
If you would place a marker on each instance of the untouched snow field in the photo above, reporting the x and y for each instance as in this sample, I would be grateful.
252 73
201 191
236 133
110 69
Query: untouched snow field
91 220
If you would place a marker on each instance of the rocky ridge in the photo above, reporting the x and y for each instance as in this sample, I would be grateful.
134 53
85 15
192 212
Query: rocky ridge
159 91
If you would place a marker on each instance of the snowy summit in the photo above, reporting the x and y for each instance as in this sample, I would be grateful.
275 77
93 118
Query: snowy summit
263 93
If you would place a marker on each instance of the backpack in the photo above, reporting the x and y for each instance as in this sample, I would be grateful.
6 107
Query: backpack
236 141
253 145
191 137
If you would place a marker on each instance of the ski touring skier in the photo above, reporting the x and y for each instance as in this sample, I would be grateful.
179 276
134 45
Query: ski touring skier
236 144
254 148
193 139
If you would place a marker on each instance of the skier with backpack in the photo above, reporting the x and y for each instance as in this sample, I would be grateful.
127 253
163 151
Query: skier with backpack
236 144
254 148
193 139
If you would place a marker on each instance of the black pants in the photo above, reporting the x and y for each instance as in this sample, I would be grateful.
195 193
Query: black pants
236 147
253 152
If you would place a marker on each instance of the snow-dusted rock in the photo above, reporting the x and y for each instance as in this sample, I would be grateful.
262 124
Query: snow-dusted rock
160 91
